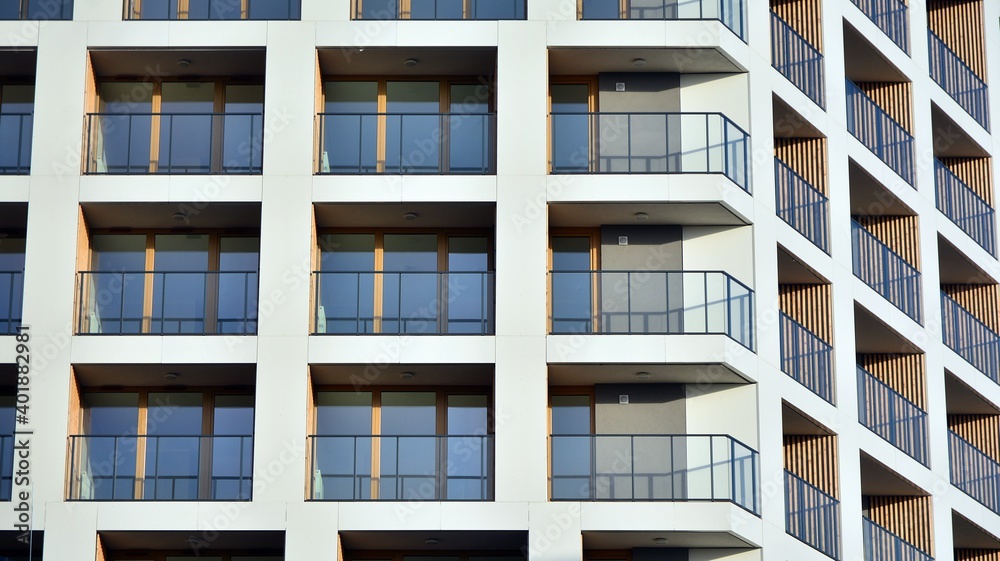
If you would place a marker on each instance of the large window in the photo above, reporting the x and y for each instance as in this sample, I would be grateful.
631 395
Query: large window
170 284
176 127
405 282
11 282
17 103
163 445
407 126
402 445
214 9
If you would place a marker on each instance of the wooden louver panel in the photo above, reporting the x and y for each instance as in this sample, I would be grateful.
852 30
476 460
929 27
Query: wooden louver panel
903 373
808 304
959 23
977 554
980 299
893 98
899 232
813 458
982 431
907 517
977 173
805 16
807 156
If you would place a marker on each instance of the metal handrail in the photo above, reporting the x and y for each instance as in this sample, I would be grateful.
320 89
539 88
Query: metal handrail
812 515
402 302
964 207
434 467
801 205
885 271
732 13
892 416
653 467
652 302
880 544
970 337
797 59
648 143
16 160
105 467
216 10
973 471
806 358
958 79
406 143
887 139
891 17
115 303
144 143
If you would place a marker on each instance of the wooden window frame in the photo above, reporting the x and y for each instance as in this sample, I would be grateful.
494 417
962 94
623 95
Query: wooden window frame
208 407
441 422
445 84
443 237
592 107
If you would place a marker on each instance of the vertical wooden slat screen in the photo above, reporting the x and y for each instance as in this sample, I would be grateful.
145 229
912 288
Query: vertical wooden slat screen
807 156
980 299
805 16
813 458
982 431
977 173
808 304
899 232
959 23
893 98
903 373
907 517
977 554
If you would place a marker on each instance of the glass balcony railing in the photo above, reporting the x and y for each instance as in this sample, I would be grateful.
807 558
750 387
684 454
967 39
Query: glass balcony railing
167 302
650 143
964 207
174 143
974 472
806 358
418 302
955 77
401 468
801 205
441 10
161 468
11 297
732 13
214 10
797 59
653 467
36 9
882 545
968 336
411 143
890 415
15 143
874 128
651 302
890 16
886 272
812 515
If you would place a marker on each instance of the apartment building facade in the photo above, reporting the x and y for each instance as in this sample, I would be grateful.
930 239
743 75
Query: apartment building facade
499 279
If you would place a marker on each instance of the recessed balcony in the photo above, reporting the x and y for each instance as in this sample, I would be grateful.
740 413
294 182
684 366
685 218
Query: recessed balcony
216 10
732 13
797 59
891 17
892 416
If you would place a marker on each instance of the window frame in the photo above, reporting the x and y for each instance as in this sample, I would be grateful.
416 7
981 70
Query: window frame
594 234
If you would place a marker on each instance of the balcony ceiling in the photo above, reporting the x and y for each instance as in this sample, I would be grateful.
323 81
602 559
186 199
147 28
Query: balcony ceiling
789 124
572 61
877 479
17 64
163 63
390 62
390 375
961 400
793 271
968 535
868 196
590 374
588 215
950 140
162 215
152 375
871 335
13 217
256 540
794 422
628 540
391 215
956 268
864 63
447 540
